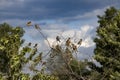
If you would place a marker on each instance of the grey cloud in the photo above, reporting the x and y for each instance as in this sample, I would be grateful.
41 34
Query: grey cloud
47 9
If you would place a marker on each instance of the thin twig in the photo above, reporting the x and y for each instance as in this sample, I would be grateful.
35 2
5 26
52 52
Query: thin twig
44 38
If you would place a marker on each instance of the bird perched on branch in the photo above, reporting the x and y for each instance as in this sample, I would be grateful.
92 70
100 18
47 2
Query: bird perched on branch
74 47
43 63
37 26
80 42
57 38
35 45
29 23
68 42
29 44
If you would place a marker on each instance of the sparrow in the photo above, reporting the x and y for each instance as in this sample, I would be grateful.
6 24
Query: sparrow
58 38
37 26
79 42
29 44
74 47
29 23
68 42
35 45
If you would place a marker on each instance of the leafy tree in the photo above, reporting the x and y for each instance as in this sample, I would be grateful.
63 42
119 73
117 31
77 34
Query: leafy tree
13 59
10 41
107 51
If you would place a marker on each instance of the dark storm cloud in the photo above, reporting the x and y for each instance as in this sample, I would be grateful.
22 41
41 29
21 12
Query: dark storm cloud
48 9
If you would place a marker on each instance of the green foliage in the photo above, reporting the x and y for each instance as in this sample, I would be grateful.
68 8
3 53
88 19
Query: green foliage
40 76
80 67
24 77
13 56
107 51
10 41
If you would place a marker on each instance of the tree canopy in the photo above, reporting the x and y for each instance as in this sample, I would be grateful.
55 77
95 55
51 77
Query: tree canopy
13 59
107 51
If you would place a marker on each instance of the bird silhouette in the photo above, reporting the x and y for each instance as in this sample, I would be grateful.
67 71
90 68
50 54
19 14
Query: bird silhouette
80 42
57 38
29 44
37 26
74 47
29 23
35 45
68 42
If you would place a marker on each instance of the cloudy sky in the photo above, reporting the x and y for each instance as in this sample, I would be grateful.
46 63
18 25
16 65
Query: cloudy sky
66 18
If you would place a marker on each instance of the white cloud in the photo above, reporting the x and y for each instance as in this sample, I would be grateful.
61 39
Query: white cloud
68 33
85 32
88 42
